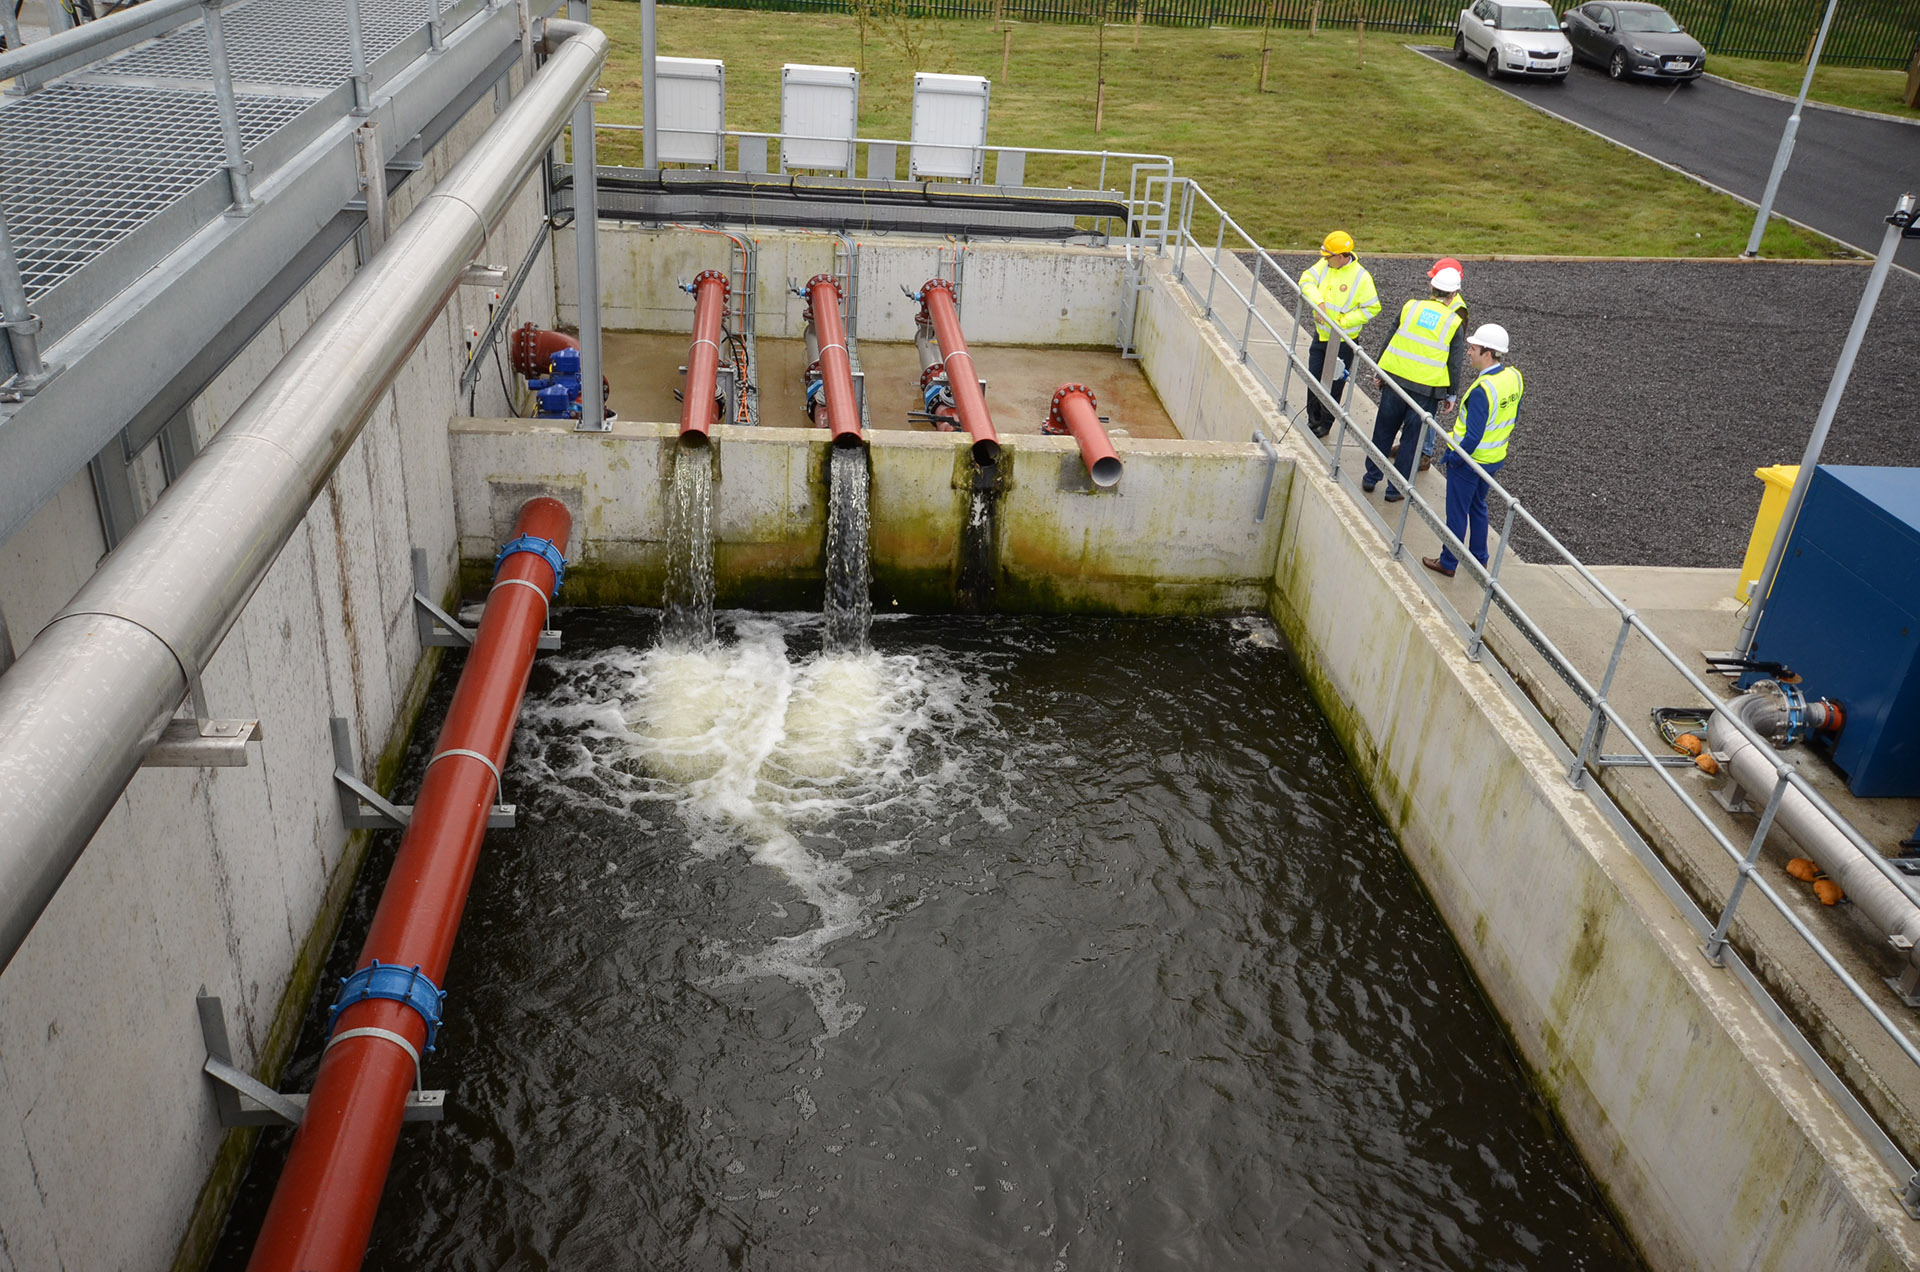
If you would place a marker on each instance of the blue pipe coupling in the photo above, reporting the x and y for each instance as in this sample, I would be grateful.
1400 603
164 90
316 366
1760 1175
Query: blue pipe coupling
544 548
408 985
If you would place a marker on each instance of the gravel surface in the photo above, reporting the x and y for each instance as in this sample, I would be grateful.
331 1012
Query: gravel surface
1655 389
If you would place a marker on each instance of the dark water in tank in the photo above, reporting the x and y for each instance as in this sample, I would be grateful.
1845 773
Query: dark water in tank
1015 943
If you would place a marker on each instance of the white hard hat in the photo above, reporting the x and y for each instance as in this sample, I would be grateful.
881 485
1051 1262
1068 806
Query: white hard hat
1490 336
1447 280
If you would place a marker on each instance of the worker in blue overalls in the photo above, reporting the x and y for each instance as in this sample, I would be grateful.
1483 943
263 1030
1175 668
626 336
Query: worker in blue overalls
1488 410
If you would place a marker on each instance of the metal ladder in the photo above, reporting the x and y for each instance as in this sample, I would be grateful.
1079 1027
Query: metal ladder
743 277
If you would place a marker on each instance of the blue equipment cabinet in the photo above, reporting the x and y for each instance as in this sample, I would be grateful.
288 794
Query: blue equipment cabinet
1845 614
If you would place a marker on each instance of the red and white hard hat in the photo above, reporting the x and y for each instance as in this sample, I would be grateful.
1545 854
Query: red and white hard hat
1446 280
1446 262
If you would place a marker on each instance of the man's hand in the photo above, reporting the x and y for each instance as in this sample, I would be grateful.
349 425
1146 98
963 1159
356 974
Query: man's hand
1447 405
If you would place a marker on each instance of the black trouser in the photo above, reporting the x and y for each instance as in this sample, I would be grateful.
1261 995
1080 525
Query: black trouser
1395 416
1319 418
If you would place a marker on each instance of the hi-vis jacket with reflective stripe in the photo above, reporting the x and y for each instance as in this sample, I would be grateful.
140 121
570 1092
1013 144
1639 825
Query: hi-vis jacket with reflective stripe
1346 293
1487 411
1418 350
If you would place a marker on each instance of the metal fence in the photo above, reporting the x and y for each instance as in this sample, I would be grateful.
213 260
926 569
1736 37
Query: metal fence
1883 33
1204 240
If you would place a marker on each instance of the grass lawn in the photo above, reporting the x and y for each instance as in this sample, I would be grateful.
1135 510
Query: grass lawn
1408 155
1858 87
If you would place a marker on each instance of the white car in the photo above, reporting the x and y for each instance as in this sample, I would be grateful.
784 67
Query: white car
1514 37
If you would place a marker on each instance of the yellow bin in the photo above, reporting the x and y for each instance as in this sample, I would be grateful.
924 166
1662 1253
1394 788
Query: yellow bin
1773 503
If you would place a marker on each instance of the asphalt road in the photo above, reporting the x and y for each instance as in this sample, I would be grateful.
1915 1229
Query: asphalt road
1846 171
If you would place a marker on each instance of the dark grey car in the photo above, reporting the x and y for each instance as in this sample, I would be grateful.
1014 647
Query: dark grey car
1633 39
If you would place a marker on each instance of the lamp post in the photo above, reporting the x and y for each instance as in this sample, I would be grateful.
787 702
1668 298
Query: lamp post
1782 155
1904 222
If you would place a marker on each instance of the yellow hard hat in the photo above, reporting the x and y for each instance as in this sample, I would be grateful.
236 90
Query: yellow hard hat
1337 242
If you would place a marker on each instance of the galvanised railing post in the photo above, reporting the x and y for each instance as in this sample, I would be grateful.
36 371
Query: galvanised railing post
9 26
1183 231
357 47
1400 531
1218 240
31 371
230 138
1340 412
1717 943
436 29
1493 576
1253 298
1286 382
1597 720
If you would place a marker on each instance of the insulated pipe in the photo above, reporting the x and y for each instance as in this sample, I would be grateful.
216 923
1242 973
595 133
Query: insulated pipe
1074 411
1881 900
323 1207
936 302
697 411
80 708
836 364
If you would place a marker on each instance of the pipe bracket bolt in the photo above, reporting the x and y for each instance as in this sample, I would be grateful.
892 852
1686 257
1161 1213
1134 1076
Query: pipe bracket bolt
546 549
406 985
1056 424
711 276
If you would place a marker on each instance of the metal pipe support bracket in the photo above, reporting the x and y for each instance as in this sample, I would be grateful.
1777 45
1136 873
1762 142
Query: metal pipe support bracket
240 1099
408 986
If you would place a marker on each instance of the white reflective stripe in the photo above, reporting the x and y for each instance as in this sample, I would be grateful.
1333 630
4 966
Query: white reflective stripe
538 591
1422 341
397 1040
1410 356
472 755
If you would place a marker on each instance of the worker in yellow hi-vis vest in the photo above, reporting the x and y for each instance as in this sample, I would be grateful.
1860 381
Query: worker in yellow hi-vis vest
1341 286
1424 359
1488 410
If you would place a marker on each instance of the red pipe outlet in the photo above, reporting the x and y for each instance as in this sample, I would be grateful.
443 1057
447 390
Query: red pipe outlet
1075 411
697 407
323 1208
836 365
936 304
533 348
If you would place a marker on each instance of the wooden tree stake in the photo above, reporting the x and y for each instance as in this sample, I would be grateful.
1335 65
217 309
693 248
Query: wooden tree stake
1006 55
1313 21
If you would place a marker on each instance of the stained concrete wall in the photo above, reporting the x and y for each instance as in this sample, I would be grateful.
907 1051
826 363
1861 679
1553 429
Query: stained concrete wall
1713 1144
1012 293
1178 535
110 1153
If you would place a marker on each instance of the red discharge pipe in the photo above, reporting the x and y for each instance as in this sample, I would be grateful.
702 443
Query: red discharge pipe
533 348
1075 411
697 411
322 1211
836 366
936 302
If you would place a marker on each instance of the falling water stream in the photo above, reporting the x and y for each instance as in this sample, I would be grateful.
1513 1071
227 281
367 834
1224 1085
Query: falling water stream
849 597
689 584
1006 943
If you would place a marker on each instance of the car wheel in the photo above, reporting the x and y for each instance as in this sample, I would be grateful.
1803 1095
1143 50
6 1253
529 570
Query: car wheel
1459 47
1493 63
1617 68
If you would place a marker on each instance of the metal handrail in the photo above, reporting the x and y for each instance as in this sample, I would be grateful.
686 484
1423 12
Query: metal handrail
1181 240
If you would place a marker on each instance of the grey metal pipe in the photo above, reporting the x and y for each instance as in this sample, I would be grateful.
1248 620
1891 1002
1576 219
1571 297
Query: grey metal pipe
650 87
1754 767
91 694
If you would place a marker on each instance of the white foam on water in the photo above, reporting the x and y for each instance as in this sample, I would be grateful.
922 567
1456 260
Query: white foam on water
756 750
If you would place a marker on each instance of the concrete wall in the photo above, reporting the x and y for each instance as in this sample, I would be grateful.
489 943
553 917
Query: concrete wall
1012 293
110 1152
1177 535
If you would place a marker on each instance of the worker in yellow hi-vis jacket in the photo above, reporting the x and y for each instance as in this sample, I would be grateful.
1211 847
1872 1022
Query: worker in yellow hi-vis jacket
1341 286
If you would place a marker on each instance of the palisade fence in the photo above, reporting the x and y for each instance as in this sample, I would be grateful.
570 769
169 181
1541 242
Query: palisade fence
1865 32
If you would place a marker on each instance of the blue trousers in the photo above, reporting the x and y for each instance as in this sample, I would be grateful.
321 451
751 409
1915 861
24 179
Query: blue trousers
1466 509
1395 417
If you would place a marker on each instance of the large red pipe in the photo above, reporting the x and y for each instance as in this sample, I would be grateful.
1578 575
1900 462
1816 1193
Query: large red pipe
1075 411
936 302
836 365
322 1211
534 348
697 411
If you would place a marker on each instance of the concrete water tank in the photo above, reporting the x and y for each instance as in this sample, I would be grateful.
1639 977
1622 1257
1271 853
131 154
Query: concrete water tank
1845 615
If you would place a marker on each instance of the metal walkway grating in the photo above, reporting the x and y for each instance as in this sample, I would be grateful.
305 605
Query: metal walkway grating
84 165
295 42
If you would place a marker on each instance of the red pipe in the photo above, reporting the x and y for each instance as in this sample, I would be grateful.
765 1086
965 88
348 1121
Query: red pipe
1074 411
322 1211
533 349
936 304
836 365
697 408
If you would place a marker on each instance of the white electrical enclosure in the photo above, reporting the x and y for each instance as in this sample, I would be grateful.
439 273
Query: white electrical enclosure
819 117
692 97
949 126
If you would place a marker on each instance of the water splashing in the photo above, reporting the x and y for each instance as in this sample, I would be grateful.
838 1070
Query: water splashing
980 543
689 590
849 606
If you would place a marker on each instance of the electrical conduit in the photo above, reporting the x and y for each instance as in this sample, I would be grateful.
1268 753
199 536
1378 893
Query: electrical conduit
939 311
323 1208
86 700
697 407
836 364
1074 411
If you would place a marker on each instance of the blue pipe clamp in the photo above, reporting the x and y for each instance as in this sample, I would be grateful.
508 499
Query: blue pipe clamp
544 548
408 985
